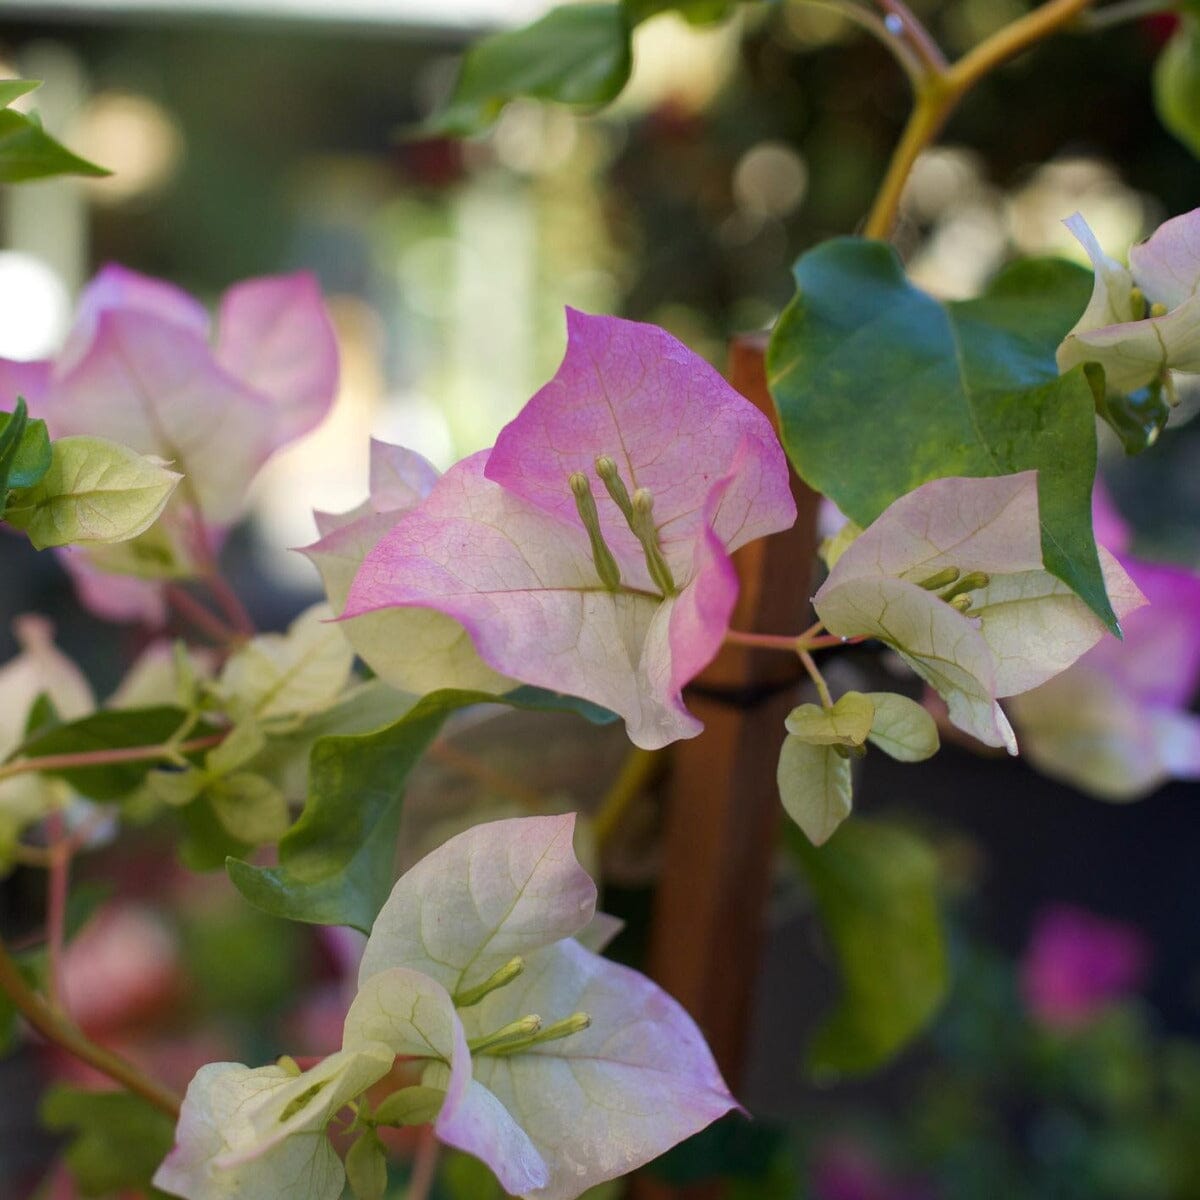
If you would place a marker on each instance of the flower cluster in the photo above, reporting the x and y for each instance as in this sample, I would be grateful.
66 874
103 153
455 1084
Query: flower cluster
587 551
142 367
555 1067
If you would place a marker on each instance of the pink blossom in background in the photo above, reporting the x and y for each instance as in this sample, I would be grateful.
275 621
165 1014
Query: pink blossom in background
1077 964
846 1169
1117 724
142 366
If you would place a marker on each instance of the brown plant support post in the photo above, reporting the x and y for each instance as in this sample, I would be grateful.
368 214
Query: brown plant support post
722 801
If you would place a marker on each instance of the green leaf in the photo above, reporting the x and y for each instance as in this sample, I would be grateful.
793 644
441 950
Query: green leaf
117 1139
1177 84
902 728
847 723
875 886
336 863
881 388
815 786
14 89
27 151
415 1105
695 12
24 450
115 729
366 1167
577 55
95 492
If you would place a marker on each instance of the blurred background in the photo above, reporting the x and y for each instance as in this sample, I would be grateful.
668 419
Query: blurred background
251 136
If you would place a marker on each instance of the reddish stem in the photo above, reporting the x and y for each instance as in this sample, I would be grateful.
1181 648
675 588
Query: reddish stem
424 1166
58 880
208 623
103 758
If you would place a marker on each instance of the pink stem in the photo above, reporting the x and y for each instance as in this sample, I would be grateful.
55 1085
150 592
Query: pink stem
424 1166
192 610
58 880
102 758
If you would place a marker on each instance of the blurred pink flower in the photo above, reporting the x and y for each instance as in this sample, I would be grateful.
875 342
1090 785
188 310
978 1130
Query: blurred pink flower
1117 724
1077 964
846 1169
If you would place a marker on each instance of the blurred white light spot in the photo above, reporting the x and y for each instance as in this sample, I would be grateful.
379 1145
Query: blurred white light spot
679 64
942 178
1117 214
419 423
771 179
35 307
134 137
533 138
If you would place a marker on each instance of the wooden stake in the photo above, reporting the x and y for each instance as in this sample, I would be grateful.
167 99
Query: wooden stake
722 802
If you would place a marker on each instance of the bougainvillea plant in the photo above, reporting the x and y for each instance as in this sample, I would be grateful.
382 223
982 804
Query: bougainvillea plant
589 563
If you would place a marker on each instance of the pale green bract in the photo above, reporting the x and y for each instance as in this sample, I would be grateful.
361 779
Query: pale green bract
287 674
96 492
814 783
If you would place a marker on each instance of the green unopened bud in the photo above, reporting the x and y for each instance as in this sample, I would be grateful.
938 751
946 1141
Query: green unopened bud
287 1063
602 557
961 603
514 1031
1158 309
940 580
641 521
968 583
606 468
575 1023
506 974
1137 303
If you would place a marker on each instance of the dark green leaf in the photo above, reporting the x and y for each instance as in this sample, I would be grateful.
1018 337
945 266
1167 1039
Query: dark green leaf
24 449
578 55
881 388
27 152
538 698
730 1148
1177 84
118 1139
14 89
875 886
336 864
695 12
206 844
115 729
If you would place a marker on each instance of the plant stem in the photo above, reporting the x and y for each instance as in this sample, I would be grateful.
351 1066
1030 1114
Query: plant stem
913 66
763 641
636 772
424 1166
103 758
206 622
944 89
928 52
1127 10
57 1029
58 882
818 679
230 602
